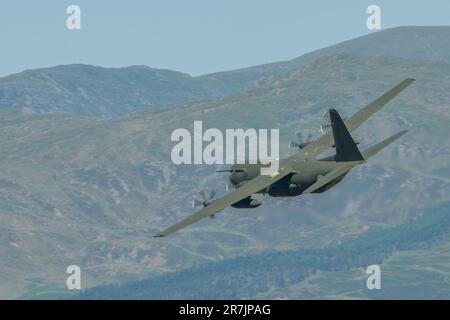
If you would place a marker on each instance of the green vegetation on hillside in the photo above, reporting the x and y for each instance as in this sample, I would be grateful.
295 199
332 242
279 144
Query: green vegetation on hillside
246 277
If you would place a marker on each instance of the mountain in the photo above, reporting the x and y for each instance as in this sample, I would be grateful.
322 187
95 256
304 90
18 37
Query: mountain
411 42
102 92
421 43
113 92
93 192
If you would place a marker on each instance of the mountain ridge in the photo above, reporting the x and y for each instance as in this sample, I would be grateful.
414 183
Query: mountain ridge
115 92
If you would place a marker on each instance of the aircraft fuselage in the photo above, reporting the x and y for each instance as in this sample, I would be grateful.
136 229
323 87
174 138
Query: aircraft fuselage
306 173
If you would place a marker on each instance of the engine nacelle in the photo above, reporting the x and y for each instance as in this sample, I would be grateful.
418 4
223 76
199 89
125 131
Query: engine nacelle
303 178
241 173
247 203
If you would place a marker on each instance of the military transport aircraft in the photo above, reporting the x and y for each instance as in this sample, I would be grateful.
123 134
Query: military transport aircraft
300 173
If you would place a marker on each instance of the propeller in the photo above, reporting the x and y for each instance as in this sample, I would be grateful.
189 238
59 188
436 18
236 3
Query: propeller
207 198
300 143
326 122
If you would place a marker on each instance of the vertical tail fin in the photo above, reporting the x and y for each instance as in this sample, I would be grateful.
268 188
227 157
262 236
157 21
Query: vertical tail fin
346 149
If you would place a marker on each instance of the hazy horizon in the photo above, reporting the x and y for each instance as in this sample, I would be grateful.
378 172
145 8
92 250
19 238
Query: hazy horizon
196 38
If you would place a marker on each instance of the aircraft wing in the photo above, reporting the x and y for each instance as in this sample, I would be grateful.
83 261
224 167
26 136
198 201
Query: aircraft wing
332 175
255 185
326 141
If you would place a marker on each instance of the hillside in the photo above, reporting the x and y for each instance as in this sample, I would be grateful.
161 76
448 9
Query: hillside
421 43
113 92
94 192
102 92
411 42
411 274
265 275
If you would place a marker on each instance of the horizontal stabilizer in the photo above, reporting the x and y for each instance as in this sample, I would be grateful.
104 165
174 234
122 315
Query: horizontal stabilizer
375 148
336 173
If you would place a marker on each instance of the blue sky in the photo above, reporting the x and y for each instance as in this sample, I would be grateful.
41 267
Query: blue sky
192 36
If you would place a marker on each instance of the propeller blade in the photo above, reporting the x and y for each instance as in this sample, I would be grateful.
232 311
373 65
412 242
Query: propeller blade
324 127
203 195
207 197
196 203
293 144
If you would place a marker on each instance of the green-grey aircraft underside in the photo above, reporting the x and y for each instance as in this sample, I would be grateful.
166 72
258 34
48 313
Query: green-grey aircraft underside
301 173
